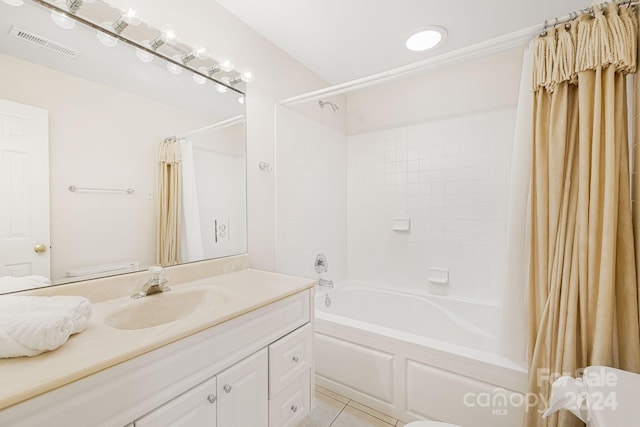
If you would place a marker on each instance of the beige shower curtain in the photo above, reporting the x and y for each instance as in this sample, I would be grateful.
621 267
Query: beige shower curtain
583 293
168 236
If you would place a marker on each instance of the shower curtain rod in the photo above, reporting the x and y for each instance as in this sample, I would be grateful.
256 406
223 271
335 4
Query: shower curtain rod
496 45
225 123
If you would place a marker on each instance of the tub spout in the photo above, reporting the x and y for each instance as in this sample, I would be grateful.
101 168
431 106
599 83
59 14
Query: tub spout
324 283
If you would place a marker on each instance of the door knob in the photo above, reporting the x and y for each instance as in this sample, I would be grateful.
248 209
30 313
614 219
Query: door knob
211 398
227 388
40 249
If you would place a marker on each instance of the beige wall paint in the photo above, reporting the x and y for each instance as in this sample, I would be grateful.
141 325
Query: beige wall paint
277 76
117 150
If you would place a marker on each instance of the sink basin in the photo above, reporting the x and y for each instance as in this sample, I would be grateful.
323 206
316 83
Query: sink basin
159 309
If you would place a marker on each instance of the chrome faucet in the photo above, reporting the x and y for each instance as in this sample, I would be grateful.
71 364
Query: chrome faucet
322 265
154 285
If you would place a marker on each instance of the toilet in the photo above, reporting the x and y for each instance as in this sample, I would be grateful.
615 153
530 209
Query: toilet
429 424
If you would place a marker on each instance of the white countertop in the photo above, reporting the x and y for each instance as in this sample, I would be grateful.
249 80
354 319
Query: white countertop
101 346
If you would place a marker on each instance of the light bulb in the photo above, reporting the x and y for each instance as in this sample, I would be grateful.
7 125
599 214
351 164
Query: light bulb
167 35
198 79
106 39
62 20
132 17
225 63
246 75
196 53
143 55
14 2
129 18
173 68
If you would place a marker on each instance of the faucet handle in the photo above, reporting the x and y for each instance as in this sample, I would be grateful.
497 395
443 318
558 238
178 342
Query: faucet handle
321 264
156 270
156 274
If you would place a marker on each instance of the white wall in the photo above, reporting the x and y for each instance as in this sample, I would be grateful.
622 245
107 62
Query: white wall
277 76
221 189
450 178
480 85
435 148
99 137
311 195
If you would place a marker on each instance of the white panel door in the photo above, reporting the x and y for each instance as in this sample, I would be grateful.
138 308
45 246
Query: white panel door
242 393
24 190
195 408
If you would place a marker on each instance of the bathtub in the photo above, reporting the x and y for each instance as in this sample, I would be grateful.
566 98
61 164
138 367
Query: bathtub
417 356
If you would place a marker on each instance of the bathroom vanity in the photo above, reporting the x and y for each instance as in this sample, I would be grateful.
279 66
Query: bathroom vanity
242 356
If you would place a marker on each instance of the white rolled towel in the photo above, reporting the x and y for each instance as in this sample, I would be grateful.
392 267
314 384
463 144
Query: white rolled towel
32 333
79 308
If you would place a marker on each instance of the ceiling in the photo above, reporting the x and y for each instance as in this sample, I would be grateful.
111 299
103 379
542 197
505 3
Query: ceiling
341 40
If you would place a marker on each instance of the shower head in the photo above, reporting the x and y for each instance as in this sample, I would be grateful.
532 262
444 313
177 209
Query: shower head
335 108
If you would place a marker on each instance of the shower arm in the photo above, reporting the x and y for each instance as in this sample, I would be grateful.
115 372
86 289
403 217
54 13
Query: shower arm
322 103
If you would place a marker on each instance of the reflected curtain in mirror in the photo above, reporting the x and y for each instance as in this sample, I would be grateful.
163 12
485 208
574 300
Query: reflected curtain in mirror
191 248
169 203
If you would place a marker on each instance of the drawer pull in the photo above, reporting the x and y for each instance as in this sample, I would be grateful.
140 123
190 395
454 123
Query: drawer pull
212 398
296 359
294 408
227 388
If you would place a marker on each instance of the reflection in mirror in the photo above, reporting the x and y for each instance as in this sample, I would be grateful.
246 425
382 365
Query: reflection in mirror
82 130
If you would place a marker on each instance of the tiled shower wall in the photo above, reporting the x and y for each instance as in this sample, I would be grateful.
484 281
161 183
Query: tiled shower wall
450 178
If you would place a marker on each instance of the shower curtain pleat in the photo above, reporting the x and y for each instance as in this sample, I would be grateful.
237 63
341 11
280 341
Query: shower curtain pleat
583 292
169 184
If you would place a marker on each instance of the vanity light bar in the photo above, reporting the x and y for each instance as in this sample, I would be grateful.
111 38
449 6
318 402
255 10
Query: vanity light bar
146 49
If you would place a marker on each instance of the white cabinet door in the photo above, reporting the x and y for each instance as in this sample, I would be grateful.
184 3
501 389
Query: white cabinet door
195 408
242 393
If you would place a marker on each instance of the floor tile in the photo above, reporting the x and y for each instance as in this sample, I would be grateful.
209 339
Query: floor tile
325 411
371 411
332 394
352 417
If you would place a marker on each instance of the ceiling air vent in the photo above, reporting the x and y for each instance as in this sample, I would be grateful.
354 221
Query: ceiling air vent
30 37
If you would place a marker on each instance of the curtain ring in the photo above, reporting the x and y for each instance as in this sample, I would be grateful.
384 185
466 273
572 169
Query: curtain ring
567 26
544 30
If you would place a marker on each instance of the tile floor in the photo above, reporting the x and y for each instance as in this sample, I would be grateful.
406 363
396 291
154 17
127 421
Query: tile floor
334 410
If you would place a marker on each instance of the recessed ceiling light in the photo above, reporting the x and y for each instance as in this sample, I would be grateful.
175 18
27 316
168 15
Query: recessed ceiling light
426 38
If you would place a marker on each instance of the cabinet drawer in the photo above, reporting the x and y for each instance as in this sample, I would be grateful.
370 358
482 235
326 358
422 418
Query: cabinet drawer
196 407
289 357
289 407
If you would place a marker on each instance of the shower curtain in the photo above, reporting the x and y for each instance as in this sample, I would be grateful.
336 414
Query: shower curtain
179 231
191 248
583 293
513 325
169 203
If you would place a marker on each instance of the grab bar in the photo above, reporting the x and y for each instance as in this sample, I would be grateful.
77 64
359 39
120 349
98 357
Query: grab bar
74 189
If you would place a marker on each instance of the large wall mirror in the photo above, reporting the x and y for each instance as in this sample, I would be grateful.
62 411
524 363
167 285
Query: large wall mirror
113 156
